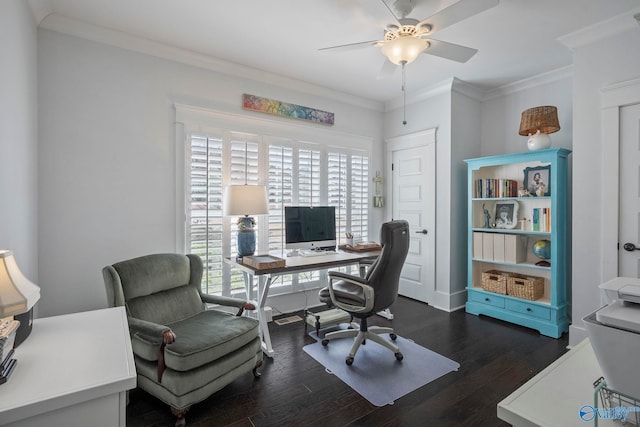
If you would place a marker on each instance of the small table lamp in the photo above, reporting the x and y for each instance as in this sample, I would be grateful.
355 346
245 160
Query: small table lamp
17 295
538 123
246 200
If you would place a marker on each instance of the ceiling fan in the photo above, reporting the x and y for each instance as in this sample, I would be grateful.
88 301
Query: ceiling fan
406 38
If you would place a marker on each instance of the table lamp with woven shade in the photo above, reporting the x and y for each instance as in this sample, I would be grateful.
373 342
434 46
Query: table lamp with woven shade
538 123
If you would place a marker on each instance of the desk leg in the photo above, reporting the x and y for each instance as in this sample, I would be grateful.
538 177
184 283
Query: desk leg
263 291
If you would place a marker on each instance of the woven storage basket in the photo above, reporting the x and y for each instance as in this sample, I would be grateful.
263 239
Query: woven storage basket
495 281
526 287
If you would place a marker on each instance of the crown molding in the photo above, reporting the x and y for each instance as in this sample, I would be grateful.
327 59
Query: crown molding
40 9
76 28
602 30
530 82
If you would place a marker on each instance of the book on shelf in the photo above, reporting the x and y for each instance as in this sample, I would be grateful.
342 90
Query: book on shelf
541 219
495 188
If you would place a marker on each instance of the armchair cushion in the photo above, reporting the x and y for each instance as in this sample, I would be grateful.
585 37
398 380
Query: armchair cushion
198 343
165 307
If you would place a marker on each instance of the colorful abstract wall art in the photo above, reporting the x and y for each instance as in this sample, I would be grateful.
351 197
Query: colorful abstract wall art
279 108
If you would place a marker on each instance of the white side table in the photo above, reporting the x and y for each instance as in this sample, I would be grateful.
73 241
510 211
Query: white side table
73 370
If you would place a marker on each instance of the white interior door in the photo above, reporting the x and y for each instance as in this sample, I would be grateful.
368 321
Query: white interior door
629 193
413 199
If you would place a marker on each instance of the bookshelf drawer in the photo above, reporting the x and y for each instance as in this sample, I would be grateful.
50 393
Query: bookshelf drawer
532 310
486 298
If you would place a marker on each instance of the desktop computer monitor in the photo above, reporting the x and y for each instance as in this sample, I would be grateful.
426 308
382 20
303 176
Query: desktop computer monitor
310 227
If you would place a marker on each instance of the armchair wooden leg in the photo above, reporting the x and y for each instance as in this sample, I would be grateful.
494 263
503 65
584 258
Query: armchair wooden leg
180 413
257 374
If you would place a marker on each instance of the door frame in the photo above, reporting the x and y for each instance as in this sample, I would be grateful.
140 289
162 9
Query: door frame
614 97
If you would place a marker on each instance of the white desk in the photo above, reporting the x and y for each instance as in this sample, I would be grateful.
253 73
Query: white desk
295 264
554 396
73 370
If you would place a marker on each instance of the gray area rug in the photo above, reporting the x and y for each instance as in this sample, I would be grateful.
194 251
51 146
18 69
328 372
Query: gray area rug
375 373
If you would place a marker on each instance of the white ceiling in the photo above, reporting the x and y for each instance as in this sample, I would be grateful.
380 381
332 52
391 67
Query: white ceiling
516 39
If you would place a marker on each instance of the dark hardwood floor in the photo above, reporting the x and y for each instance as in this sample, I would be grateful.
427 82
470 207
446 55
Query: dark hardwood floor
495 357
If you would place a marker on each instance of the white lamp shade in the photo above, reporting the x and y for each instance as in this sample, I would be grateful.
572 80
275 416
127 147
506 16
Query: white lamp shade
404 49
17 294
245 200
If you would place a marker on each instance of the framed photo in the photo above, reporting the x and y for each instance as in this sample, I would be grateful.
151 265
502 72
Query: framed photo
506 214
537 180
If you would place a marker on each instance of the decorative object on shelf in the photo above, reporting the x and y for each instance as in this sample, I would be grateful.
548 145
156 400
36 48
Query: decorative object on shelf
536 177
246 200
537 123
523 192
506 214
378 200
285 109
542 249
487 217
18 295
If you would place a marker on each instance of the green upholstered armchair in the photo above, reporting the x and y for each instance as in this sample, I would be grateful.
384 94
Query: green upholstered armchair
183 351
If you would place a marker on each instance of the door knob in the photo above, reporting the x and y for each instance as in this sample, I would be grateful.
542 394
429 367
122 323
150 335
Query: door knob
630 247
424 231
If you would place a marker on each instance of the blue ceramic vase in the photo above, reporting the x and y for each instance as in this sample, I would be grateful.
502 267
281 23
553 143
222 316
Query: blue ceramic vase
246 237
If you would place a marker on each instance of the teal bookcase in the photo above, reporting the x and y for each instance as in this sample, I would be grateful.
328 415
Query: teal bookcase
506 277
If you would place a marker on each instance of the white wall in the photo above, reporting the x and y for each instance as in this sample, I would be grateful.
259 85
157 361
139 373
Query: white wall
18 134
107 169
596 66
502 111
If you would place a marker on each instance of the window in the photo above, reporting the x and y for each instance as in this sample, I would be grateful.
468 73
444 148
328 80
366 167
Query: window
295 171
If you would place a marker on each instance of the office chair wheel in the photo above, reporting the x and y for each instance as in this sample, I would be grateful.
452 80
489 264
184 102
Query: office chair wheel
325 343
349 361
399 356
393 336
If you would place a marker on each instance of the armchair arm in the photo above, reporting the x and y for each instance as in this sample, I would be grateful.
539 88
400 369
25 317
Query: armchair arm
354 280
156 331
228 302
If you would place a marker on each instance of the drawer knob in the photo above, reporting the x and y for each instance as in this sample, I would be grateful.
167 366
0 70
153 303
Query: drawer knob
528 308
486 299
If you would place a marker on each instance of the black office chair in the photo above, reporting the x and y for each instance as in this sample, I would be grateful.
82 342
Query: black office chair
363 297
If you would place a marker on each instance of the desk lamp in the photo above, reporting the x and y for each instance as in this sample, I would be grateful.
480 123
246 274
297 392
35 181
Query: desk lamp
17 295
246 200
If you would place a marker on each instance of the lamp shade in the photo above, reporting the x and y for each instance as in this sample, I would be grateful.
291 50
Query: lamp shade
404 49
245 200
543 119
17 294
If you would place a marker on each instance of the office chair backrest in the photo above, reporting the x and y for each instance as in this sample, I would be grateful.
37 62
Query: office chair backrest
384 275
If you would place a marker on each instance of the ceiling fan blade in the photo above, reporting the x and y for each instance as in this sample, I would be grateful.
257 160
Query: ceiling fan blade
457 12
379 11
447 50
387 70
350 46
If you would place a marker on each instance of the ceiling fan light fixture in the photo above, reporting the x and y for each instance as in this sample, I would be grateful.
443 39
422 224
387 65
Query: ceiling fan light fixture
404 50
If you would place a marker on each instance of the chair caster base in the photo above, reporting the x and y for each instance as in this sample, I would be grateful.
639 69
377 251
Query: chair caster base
399 356
349 361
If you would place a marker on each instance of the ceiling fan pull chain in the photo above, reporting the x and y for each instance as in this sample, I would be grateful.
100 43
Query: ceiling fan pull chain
404 97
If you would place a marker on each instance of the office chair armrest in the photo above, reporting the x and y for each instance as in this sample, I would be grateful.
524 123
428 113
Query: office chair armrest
355 280
228 302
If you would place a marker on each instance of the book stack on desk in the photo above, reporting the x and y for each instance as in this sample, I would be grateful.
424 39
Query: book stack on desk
7 338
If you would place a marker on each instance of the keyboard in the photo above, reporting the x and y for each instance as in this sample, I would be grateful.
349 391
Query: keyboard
309 252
